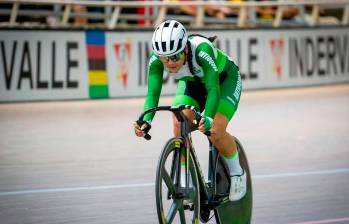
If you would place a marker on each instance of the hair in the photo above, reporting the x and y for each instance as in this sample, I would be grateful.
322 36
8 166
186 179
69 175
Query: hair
190 52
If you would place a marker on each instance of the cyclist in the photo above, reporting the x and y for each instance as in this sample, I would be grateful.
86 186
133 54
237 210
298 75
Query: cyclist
208 80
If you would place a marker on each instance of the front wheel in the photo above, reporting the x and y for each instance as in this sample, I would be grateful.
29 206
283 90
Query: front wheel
174 203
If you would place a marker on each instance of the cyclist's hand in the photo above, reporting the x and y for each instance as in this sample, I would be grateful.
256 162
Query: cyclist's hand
205 124
140 130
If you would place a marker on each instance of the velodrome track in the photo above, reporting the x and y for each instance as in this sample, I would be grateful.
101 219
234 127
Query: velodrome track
79 162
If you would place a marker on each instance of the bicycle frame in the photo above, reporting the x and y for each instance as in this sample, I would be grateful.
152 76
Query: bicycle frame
212 195
207 189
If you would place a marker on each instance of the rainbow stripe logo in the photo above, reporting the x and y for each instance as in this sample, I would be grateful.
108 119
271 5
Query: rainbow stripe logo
97 72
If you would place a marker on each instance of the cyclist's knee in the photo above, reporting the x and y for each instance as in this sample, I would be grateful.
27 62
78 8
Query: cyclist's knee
217 136
176 124
219 129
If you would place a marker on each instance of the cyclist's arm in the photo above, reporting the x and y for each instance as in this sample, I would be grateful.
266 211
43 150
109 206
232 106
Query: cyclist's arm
205 58
155 80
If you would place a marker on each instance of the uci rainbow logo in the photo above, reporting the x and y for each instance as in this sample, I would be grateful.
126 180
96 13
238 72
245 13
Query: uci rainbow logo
97 74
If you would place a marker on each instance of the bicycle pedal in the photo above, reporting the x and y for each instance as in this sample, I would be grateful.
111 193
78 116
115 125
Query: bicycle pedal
223 198
219 196
218 200
190 207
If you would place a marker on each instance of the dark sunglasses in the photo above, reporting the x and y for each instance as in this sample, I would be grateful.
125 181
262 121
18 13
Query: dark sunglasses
173 58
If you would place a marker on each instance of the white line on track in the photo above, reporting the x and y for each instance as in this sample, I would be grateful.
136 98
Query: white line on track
297 174
341 220
106 187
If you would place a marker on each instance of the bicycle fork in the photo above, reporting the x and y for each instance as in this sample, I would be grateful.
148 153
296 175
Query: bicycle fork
180 159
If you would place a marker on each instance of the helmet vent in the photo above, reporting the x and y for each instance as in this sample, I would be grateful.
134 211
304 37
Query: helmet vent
179 44
163 45
171 44
167 24
157 46
176 25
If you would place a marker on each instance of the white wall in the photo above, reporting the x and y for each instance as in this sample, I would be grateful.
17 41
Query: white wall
48 65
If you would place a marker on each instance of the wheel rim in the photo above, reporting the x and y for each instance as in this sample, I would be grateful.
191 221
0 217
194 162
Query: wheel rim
173 207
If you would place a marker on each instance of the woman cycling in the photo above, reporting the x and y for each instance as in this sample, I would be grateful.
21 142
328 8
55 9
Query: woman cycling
208 80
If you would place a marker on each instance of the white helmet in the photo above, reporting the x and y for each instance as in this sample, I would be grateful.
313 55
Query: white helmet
169 38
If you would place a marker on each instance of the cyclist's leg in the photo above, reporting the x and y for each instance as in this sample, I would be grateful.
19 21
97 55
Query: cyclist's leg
189 93
230 97
220 138
223 141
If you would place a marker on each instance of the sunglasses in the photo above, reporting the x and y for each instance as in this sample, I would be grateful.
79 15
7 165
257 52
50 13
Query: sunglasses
173 58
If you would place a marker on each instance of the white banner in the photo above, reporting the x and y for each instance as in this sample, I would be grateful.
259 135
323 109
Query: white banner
307 57
49 65
42 65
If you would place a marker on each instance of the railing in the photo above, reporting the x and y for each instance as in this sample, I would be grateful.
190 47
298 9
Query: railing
113 12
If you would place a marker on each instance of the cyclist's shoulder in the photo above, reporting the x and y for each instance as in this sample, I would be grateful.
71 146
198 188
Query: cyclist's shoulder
199 42
205 44
203 47
154 60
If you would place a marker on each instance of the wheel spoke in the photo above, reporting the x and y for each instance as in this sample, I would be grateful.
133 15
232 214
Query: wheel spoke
168 182
182 215
170 206
172 212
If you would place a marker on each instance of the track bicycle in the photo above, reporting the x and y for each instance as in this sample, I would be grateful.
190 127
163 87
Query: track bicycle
194 200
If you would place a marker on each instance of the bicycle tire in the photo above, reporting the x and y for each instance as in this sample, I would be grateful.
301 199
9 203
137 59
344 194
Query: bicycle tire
173 206
237 212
